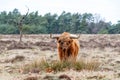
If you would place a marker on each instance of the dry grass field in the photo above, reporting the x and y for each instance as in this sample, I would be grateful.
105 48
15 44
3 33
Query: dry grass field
36 58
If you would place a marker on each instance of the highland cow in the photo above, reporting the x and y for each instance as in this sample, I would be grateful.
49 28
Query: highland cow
68 46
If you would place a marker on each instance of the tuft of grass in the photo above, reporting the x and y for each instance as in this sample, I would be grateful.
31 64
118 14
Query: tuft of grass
92 65
61 66
35 66
87 65
55 66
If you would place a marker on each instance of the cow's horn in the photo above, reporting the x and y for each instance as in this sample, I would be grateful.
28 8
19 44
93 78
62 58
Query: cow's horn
53 37
74 36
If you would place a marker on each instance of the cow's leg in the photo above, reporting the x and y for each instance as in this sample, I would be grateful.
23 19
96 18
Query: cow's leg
60 56
74 56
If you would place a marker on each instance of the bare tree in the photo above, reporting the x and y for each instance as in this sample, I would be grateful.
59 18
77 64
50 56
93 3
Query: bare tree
20 25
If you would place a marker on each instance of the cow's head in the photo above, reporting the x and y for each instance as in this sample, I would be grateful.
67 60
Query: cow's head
64 41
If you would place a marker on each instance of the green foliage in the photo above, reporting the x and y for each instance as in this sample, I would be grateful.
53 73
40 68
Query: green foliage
103 31
34 23
8 29
115 29
33 29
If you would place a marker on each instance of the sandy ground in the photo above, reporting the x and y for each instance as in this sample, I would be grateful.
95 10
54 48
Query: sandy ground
105 48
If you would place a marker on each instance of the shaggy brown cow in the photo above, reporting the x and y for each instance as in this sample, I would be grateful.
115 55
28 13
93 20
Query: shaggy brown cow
68 46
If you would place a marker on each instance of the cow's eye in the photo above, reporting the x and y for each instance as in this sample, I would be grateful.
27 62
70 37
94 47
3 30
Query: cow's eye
59 41
69 41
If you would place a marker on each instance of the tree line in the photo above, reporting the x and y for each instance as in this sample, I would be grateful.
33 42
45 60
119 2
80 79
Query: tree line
34 23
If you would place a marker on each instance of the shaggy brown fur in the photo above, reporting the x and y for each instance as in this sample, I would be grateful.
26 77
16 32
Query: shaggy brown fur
67 47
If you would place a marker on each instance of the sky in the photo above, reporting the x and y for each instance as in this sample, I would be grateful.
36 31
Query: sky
109 10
